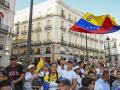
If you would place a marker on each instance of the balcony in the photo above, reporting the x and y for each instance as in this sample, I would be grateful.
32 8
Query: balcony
24 32
63 28
3 27
38 29
48 27
63 15
4 3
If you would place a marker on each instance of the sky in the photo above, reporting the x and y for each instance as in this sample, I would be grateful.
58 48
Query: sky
96 7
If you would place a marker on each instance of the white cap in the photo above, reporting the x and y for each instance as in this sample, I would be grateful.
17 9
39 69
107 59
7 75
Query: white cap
30 66
76 67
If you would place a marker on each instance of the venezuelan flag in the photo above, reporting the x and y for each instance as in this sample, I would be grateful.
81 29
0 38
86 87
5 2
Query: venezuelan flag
39 65
96 24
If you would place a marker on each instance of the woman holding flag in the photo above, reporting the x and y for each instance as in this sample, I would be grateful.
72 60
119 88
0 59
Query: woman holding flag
51 78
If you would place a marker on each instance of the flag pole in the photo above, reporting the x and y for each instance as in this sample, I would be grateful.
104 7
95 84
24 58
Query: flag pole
28 48
86 59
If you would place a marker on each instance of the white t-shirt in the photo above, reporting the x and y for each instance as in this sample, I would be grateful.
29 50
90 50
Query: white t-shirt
79 84
70 75
60 70
28 77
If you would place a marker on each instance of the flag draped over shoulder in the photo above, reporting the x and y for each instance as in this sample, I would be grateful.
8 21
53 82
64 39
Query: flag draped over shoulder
39 65
96 24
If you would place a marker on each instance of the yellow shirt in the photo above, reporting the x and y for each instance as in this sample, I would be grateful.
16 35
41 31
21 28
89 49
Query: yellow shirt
51 78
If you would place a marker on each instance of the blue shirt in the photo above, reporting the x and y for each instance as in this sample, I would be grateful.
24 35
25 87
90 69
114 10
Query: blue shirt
101 85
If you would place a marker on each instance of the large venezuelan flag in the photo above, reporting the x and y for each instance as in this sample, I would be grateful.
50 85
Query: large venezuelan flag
96 24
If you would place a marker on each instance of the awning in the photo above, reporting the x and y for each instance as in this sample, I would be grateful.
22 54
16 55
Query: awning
1 14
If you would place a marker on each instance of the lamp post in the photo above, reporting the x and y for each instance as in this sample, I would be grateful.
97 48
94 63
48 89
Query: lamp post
109 53
28 48
86 59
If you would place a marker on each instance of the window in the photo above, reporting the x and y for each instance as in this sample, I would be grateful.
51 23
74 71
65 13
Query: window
70 39
49 23
38 37
49 11
75 40
62 23
74 19
1 40
69 16
38 24
48 36
63 13
48 50
25 28
37 50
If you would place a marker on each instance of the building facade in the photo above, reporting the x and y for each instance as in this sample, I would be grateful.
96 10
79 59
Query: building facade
51 37
7 8
112 51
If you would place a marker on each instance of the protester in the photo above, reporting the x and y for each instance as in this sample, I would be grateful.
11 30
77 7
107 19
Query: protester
82 68
102 83
29 77
61 65
79 77
99 70
64 84
43 72
15 73
70 74
112 77
3 75
116 83
1 67
86 81
5 85
92 75
51 78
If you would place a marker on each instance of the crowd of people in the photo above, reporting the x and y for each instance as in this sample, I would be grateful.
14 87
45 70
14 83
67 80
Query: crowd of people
61 75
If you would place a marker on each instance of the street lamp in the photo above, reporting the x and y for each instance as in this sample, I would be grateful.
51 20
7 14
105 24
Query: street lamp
28 48
109 53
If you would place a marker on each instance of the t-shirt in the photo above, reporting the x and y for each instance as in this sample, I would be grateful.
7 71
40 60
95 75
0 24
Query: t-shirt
51 80
79 84
14 73
59 69
70 75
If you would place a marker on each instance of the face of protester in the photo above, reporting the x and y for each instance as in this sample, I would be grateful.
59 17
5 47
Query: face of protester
107 77
62 62
82 65
1 77
32 69
69 65
92 76
45 69
78 70
6 88
13 62
53 68
118 74
63 87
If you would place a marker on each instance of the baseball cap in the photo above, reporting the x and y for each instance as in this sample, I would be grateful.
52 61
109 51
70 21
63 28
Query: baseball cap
64 81
30 66
13 57
46 65
76 67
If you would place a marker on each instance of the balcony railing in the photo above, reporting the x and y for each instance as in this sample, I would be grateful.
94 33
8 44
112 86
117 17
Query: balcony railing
4 27
63 28
48 27
4 3
24 32
38 29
